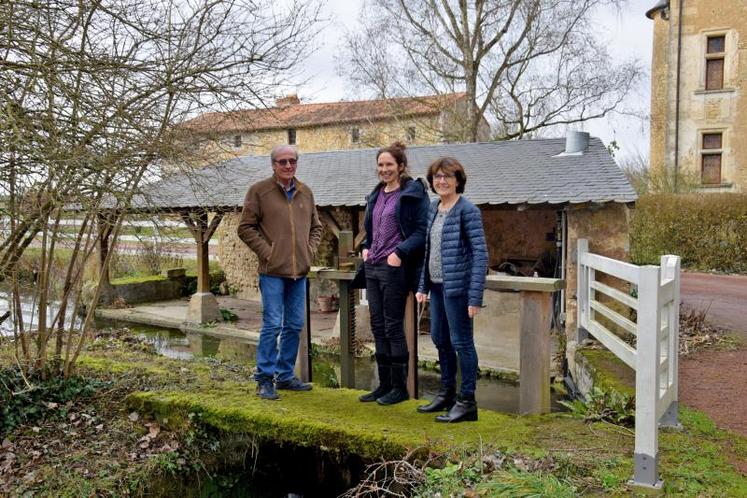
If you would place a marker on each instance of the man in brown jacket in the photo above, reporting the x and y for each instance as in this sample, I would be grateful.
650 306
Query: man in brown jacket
280 224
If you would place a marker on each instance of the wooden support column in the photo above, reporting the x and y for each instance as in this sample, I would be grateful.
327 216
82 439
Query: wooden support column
105 228
411 335
347 334
535 314
203 307
303 363
535 318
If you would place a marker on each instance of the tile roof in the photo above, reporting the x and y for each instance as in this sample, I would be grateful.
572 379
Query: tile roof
306 115
510 172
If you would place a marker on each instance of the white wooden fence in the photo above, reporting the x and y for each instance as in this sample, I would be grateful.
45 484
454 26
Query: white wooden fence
654 356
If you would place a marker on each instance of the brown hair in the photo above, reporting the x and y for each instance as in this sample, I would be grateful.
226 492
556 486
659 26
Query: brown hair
397 151
450 166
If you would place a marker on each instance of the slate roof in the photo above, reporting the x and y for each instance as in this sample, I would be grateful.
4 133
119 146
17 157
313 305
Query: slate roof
307 115
510 172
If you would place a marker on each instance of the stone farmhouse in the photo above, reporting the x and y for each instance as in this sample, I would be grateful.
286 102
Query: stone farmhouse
698 84
331 126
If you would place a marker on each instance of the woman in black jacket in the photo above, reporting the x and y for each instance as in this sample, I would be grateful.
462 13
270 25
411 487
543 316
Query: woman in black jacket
395 224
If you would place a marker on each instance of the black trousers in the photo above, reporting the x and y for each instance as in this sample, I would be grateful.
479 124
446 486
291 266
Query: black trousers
386 291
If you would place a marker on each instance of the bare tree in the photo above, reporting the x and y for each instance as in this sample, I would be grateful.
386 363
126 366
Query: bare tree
527 64
90 95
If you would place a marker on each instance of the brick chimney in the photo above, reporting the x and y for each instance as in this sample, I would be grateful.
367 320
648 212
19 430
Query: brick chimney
290 99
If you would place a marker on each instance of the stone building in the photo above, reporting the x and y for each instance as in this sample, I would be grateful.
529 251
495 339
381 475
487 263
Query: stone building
537 197
698 81
331 126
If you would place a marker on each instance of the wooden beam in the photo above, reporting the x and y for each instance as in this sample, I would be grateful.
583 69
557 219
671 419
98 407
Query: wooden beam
359 239
534 284
213 226
330 223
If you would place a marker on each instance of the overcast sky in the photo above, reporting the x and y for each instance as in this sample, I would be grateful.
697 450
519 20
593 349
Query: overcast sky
628 32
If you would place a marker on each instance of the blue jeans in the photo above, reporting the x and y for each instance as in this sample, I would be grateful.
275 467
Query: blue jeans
284 306
451 331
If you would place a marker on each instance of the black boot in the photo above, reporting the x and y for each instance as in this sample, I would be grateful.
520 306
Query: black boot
383 365
465 410
444 400
398 393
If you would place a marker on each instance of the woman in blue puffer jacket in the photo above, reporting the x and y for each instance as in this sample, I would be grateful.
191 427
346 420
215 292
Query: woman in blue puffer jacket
456 261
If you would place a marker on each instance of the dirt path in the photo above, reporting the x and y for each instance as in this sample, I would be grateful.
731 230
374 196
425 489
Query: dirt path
725 296
715 382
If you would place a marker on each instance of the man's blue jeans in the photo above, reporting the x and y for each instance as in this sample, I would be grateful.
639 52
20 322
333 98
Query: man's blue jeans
451 331
284 305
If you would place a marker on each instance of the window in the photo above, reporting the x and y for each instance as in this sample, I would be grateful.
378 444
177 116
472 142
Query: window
714 65
355 135
237 141
711 159
291 136
410 133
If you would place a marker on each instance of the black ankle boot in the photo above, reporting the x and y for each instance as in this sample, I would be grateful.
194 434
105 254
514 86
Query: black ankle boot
444 400
398 393
384 367
465 410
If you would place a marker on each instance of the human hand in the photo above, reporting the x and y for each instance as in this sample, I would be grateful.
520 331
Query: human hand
472 311
393 260
420 297
364 254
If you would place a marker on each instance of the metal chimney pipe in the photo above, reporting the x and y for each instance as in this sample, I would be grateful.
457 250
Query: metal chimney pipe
576 142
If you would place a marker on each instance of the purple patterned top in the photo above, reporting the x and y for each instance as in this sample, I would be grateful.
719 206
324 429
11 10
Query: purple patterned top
386 233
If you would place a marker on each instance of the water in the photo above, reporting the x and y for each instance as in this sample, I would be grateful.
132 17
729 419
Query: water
29 311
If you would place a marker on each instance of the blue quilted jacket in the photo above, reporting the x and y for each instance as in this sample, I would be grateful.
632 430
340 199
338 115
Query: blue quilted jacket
464 254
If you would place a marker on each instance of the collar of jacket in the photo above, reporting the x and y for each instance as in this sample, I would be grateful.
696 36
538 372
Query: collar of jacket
411 188
300 187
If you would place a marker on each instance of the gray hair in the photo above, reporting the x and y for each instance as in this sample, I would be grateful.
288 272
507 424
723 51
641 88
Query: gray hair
278 148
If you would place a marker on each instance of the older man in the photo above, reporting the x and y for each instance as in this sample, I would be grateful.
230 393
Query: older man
280 224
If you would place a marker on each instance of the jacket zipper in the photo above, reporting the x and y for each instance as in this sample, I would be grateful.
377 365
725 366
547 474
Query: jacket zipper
293 235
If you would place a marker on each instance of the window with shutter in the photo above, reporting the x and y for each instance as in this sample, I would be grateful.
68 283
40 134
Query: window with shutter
710 159
714 64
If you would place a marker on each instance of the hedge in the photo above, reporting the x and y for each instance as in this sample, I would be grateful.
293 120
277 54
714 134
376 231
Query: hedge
708 231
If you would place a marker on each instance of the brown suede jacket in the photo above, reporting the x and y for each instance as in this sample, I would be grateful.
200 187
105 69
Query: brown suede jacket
284 234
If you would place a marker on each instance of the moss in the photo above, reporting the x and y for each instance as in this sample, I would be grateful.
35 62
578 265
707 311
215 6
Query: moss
608 371
138 279
597 457
332 418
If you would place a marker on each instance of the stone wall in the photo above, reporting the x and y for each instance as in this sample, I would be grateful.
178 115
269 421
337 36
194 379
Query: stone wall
701 110
607 230
239 263
512 234
328 137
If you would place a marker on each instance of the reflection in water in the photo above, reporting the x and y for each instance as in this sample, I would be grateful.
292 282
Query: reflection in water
491 393
29 310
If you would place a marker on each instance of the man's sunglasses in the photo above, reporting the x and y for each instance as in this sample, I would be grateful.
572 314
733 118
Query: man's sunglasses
286 162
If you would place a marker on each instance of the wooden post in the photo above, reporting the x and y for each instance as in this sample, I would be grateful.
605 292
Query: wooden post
304 349
347 334
535 313
411 334
203 307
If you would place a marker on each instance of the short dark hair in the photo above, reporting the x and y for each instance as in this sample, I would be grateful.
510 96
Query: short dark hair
450 166
397 151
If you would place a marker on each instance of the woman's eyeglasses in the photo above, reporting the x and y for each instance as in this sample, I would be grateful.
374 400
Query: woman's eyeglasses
442 177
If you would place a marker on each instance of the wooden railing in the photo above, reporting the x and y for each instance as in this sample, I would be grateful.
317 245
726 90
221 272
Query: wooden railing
656 302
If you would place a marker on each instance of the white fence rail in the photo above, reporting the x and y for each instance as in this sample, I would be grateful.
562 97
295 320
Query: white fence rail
656 303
